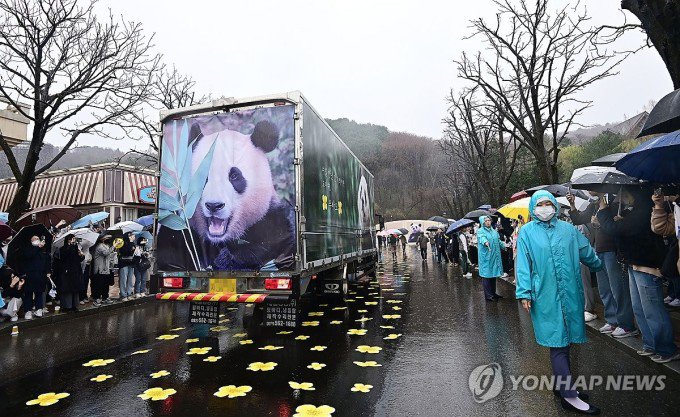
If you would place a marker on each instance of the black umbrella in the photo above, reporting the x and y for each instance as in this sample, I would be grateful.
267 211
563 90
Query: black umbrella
22 241
558 190
604 181
402 230
608 160
664 117
438 219
432 229
476 214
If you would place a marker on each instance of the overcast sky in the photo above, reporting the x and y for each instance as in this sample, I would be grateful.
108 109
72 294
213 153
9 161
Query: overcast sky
384 62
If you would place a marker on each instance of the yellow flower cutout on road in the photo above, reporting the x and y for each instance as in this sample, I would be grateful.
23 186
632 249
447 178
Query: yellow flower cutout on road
367 364
101 378
301 337
350 300
323 305
388 289
199 351
240 335
363 319
339 207
339 308
387 327
319 348
362 311
392 336
361 297
99 362
394 301
246 342
310 323
139 352
285 332
371 303
232 308
336 322
305 386
167 337
392 316
159 374
212 359
361 388
324 202
396 308
270 347
309 410
368 349
219 329
224 321
192 340
316 366
357 332
315 314
262 366
49 398
232 391
176 329
157 394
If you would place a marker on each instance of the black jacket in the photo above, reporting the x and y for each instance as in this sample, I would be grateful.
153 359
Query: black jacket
603 241
5 282
636 244
71 268
36 265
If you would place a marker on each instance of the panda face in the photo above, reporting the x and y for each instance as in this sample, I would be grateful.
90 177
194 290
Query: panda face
239 187
364 209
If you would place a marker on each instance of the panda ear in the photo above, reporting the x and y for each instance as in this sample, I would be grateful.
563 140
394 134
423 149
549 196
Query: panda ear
194 134
265 136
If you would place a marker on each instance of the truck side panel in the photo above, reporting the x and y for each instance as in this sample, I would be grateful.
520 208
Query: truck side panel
227 192
338 195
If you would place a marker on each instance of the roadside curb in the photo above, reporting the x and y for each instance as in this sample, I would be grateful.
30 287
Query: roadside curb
628 345
53 318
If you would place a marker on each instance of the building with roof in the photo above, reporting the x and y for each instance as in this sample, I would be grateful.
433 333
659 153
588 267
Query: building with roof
124 191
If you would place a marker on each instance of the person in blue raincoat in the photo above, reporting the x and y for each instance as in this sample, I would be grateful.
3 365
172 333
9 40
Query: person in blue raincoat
489 253
549 253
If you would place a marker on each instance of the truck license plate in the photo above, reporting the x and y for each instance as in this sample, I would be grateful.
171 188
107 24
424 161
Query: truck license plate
223 285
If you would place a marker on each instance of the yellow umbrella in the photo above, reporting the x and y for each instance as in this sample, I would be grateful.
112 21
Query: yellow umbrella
514 209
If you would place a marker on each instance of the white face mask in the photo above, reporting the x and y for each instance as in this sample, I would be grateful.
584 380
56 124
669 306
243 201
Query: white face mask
35 242
544 213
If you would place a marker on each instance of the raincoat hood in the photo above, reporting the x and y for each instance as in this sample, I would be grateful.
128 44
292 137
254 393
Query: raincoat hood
538 195
481 221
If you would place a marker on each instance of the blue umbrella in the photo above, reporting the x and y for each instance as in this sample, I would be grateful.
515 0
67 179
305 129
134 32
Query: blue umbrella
459 224
484 207
90 219
4 217
145 221
147 235
657 160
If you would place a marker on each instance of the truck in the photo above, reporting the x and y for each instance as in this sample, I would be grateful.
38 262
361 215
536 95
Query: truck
260 202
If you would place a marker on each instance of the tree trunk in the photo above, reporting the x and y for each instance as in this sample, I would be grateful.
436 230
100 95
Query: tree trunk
661 21
19 202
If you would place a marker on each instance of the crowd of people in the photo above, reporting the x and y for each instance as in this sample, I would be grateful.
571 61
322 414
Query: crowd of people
627 242
72 275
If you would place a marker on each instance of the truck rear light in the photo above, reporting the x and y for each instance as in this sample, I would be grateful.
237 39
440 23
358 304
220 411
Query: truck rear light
172 282
277 283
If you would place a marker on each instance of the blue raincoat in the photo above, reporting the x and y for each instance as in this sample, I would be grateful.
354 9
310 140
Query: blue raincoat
490 264
549 274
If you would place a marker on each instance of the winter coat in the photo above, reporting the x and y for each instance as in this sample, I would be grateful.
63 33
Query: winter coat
490 263
102 259
603 241
633 233
36 264
549 274
71 271
663 224
422 241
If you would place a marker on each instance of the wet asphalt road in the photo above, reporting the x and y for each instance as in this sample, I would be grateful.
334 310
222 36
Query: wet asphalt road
446 329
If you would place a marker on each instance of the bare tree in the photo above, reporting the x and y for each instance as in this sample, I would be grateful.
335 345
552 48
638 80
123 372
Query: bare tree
169 89
79 73
660 20
536 64
476 137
